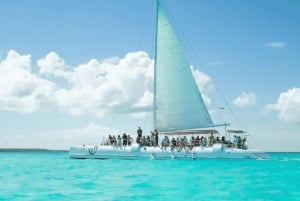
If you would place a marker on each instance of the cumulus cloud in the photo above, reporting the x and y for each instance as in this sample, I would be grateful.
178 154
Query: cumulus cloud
278 44
288 106
123 85
93 88
20 89
98 87
204 84
203 81
51 64
145 100
245 99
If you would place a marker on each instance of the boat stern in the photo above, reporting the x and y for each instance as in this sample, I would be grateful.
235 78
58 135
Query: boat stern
79 152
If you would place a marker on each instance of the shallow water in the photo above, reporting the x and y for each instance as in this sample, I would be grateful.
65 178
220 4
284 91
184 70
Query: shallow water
54 176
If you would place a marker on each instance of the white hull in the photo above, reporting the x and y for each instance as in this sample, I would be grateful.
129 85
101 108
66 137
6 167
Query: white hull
135 152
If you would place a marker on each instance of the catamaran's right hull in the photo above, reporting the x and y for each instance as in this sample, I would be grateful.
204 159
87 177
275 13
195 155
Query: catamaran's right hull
136 152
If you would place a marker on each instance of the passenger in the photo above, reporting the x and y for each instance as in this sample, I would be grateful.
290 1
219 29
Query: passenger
129 140
156 137
197 141
139 132
119 141
173 143
239 142
111 141
235 141
204 142
124 139
223 141
201 141
192 141
152 139
148 141
211 139
185 142
165 142
138 139
168 141
244 141
177 142
114 141
244 146
143 141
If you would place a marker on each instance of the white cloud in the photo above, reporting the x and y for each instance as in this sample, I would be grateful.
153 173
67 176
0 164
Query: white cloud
206 99
123 85
97 87
204 84
51 64
20 89
288 105
203 80
278 44
145 100
245 99
94 87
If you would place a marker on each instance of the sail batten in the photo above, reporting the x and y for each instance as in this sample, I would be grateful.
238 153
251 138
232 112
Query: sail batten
178 104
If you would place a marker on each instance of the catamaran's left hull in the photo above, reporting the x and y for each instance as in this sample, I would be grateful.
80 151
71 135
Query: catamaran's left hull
137 152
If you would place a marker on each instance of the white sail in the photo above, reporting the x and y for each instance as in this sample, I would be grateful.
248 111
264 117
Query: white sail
178 104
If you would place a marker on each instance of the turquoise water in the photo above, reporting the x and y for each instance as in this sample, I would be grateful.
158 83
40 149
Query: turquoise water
53 176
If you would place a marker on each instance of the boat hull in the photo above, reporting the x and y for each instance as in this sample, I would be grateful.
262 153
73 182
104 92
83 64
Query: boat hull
135 152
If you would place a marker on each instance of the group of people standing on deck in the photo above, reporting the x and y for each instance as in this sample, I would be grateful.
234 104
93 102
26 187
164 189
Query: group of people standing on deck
178 143
126 140
239 142
183 143
119 141
151 140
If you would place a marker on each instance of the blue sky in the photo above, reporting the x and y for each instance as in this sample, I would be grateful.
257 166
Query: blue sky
71 71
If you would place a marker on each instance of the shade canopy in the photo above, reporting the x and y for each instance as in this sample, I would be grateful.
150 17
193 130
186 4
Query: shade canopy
192 132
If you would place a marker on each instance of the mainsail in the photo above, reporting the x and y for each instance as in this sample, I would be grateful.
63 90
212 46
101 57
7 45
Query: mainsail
178 104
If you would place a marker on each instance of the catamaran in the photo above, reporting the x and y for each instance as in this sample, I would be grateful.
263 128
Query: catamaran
179 113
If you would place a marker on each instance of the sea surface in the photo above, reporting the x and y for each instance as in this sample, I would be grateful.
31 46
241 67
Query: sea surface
36 175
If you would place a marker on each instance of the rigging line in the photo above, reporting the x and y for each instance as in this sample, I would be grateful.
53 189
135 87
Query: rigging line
240 124
139 87
148 22
256 142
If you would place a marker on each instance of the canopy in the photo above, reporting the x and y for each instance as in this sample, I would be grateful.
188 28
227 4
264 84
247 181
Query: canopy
192 132
236 131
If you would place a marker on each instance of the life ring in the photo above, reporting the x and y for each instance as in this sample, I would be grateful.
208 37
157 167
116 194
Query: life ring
92 150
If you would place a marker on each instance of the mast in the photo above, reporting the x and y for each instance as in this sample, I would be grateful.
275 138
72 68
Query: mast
155 61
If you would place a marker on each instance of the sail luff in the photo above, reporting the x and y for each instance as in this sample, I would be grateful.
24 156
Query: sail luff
178 104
